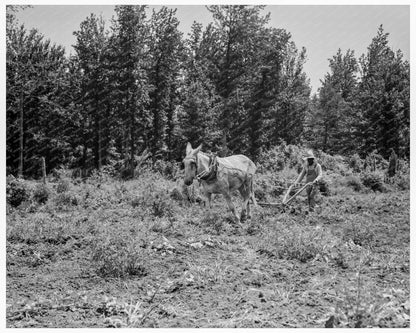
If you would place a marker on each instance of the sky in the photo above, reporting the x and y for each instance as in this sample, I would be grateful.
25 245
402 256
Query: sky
321 29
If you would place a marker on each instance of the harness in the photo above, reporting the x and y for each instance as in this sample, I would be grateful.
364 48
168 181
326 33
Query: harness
209 175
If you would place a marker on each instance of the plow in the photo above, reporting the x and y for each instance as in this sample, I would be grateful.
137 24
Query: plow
286 199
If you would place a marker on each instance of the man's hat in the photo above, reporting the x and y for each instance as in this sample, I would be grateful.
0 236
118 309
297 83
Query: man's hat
309 154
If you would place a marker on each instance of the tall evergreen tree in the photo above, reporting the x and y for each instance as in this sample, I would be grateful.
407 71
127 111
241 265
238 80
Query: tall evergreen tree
336 114
383 98
267 83
91 48
293 99
166 50
36 82
130 62
198 114
235 41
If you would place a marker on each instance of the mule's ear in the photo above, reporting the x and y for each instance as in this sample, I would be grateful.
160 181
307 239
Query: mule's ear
196 151
188 148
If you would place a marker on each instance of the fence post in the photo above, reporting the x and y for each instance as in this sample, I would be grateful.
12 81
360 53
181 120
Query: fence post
44 170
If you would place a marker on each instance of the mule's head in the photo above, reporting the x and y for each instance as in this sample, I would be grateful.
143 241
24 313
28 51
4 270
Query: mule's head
190 162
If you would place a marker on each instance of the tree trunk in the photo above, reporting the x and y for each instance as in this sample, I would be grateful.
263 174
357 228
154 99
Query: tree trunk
325 138
21 129
99 143
84 150
132 138
84 160
43 170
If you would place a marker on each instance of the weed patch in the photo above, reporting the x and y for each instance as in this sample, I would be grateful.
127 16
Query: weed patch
355 183
119 256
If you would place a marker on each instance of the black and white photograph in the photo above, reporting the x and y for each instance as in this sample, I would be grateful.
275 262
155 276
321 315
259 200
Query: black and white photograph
206 165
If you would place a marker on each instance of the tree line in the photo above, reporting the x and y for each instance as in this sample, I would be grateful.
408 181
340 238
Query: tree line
237 85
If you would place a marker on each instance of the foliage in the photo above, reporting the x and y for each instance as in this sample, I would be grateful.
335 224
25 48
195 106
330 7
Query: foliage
282 156
324 187
373 181
363 307
402 181
362 113
118 256
304 244
169 169
63 186
332 119
36 102
167 53
355 163
384 98
16 191
41 193
237 86
354 182
64 199
335 163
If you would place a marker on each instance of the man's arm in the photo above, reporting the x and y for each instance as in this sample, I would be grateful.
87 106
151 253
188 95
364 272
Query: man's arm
302 174
319 174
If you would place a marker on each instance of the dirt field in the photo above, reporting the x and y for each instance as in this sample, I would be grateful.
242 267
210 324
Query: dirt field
112 254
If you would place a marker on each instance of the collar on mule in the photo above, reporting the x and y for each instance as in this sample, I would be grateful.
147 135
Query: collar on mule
211 174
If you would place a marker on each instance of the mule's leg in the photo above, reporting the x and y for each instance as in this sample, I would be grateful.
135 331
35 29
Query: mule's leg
208 201
245 210
252 198
231 206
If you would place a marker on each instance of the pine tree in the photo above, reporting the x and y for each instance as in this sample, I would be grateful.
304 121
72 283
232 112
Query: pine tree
336 113
198 116
234 44
292 100
384 98
266 88
166 50
130 62
36 83
91 48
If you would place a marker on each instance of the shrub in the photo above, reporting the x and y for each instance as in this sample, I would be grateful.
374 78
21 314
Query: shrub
162 207
176 194
305 244
373 181
355 183
118 256
270 185
16 191
63 186
169 169
355 163
403 181
41 193
109 171
374 162
281 157
66 199
324 187
334 163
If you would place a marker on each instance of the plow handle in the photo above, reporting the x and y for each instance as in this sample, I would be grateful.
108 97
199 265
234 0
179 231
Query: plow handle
286 202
